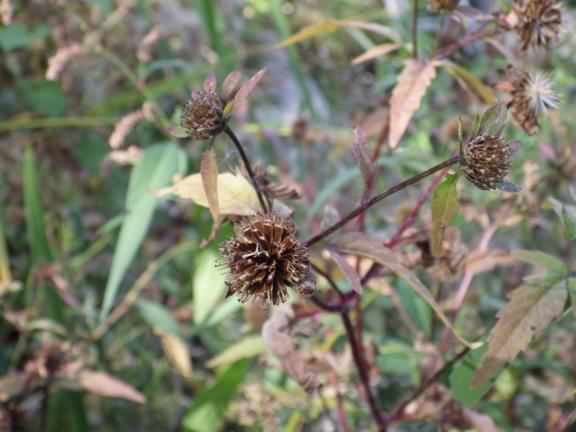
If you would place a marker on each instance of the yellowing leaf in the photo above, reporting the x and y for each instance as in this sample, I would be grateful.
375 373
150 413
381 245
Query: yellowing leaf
361 244
248 347
407 96
530 309
236 196
444 208
102 384
209 174
471 83
308 32
376 51
177 353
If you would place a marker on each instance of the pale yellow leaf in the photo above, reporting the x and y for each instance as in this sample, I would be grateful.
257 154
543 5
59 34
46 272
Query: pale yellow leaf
236 196
530 309
102 384
313 30
209 174
362 245
177 353
248 347
407 96
376 51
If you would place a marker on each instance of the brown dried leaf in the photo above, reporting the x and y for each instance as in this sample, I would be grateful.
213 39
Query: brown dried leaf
376 51
362 245
231 85
407 96
209 174
530 309
240 104
102 384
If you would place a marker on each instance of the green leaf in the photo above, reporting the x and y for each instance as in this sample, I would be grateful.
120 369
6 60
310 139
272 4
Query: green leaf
444 209
538 258
567 215
36 231
208 409
43 97
397 358
416 307
248 347
15 36
158 317
208 287
461 377
154 171
530 310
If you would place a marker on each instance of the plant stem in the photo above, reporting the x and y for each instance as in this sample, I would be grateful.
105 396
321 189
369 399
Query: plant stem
248 167
415 29
397 415
362 366
374 200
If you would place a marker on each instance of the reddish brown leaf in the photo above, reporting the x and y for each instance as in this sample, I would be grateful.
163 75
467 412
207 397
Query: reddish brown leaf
407 96
241 98
102 384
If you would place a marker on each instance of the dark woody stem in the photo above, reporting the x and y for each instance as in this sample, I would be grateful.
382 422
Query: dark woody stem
415 29
248 166
365 206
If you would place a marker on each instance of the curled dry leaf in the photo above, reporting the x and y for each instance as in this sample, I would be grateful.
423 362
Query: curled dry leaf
530 309
407 96
236 196
102 384
362 245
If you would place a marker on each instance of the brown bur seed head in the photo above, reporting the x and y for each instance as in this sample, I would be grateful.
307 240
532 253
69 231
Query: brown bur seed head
486 160
203 115
265 259
539 21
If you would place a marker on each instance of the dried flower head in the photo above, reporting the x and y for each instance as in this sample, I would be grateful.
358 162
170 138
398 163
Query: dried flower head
486 161
265 259
539 21
203 116
443 5
532 95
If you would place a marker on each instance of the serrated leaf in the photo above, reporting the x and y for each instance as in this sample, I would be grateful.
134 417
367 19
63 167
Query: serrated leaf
471 83
158 317
153 171
376 51
103 384
444 209
461 376
407 96
362 245
248 347
530 309
177 353
208 285
313 30
236 196
208 410
541 259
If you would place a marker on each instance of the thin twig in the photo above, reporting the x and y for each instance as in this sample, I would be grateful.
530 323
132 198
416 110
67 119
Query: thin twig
248 167
362 367
371 202
415 29
399 411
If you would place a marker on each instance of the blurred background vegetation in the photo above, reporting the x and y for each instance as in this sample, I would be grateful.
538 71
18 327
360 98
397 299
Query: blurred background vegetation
112 312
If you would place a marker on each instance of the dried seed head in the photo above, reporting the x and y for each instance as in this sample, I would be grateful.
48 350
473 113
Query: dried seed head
203 115
486 160
265 259
539 21
532 95
443 5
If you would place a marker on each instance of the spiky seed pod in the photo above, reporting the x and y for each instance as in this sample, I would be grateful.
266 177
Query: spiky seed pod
485 161
532 95
203 115
265 259
539 21
443 5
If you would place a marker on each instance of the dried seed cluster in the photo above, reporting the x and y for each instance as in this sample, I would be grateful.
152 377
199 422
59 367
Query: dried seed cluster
265 259
532 94
486 160
539 21
203 115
